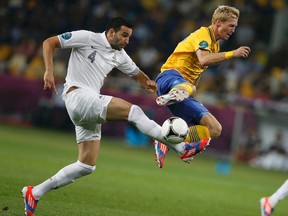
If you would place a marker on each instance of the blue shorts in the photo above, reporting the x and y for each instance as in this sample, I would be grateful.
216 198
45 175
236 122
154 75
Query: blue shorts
190 109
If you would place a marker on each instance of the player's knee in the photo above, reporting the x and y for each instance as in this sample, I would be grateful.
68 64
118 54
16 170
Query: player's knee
89 170
286 184
215 131
136 109
85 169
135 113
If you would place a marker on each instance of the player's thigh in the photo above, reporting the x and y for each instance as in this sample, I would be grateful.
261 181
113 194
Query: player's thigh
167 80
86 108
212 124
118 109
190 110
88 151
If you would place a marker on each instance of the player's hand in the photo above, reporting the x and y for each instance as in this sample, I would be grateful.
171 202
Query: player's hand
242 51
151 86
49 82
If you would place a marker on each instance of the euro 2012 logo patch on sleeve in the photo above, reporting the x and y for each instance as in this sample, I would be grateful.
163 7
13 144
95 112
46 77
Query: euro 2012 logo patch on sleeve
203 44
66 36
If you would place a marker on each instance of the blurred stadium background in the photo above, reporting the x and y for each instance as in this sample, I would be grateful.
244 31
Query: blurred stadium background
249 97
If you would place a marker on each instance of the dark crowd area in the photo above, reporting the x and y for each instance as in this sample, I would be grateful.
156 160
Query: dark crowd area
158 26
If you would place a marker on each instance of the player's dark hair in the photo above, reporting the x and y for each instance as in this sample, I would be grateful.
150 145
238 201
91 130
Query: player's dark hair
116 23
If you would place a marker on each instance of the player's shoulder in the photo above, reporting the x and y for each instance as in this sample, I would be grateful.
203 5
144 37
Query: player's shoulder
82 31
199 33
75 33
202 31
99 38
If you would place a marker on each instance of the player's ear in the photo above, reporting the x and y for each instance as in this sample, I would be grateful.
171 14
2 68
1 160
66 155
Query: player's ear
111 32
218 22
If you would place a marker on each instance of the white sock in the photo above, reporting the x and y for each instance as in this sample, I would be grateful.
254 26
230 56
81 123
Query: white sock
280 194
65 176
179 147
144 124
149 127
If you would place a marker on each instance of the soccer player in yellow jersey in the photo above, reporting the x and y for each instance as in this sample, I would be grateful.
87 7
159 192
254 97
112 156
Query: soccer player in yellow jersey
180 75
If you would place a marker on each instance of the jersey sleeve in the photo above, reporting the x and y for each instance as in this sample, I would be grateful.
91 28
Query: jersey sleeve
128 66
202 40
74 39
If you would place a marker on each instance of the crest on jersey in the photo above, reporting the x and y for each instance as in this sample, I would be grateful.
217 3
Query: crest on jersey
203 44
66 36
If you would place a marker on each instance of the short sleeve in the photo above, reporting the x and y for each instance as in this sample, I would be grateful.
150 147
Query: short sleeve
202 40
74 39
128 66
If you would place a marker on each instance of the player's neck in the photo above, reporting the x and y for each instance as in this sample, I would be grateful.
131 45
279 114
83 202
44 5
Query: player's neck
215 31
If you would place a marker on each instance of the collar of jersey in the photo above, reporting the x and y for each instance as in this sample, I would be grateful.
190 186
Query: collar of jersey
212 35
106 42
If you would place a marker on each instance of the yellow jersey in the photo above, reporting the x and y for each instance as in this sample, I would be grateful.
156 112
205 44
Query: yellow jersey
184 58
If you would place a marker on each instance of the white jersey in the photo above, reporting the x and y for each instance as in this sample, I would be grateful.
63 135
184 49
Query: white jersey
92 58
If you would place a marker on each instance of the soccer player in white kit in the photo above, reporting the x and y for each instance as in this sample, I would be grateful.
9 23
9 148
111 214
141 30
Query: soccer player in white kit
92 57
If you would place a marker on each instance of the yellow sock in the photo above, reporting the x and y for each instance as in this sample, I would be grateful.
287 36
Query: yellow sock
184 86
196 133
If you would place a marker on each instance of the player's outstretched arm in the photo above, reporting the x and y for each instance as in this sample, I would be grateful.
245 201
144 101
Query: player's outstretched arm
208 59
145 82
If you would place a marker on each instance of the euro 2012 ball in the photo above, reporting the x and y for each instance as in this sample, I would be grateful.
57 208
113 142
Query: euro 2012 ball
174 130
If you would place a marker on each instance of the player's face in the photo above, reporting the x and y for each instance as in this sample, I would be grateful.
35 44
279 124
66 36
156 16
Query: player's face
121 38
227 28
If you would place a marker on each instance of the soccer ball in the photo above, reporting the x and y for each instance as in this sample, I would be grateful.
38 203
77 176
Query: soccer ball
174 130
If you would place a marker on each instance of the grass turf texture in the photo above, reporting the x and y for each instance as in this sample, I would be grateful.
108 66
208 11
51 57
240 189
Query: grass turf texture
126 181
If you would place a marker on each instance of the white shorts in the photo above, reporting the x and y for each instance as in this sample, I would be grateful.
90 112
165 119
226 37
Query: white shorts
87 110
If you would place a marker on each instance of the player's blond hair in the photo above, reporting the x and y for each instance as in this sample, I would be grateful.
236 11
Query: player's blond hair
224 12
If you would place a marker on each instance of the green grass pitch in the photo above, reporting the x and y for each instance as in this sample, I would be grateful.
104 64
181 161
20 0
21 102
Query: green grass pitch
126 181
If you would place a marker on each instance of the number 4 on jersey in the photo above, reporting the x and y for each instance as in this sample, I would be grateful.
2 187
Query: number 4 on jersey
92 56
